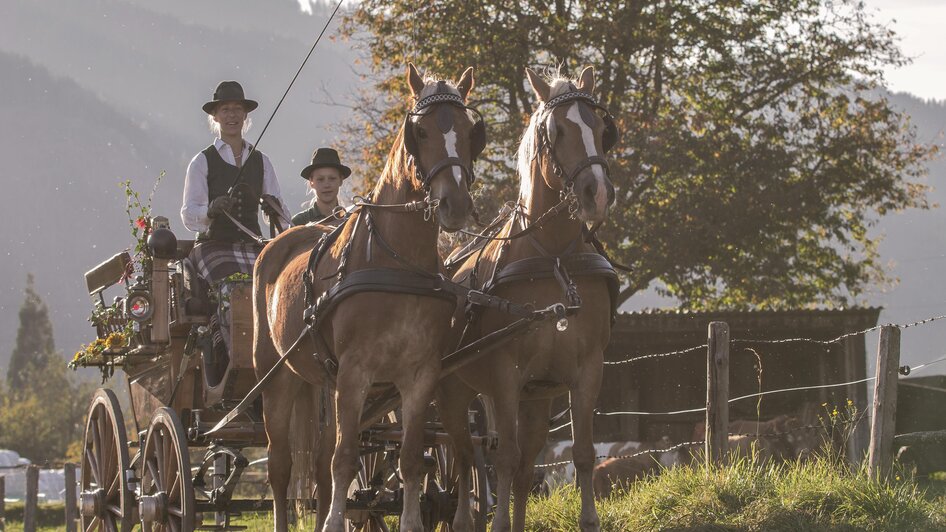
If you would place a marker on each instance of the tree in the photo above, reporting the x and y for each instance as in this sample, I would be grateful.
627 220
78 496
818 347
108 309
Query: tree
757 150
44 418
42 410
34 339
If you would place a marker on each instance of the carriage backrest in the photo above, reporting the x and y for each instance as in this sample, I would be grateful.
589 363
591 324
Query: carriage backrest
107 273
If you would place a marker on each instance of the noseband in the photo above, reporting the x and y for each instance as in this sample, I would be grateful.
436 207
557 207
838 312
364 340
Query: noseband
478 138
608 138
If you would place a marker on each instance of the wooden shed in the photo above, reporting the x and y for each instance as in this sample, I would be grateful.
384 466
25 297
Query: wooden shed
678 382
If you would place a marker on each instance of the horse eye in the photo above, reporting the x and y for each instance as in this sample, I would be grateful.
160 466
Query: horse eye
421 134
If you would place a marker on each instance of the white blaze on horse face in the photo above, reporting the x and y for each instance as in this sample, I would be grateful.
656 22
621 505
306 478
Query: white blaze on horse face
588 140
450 142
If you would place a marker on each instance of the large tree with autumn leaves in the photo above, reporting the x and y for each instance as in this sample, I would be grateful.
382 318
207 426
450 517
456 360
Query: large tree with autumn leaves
757 148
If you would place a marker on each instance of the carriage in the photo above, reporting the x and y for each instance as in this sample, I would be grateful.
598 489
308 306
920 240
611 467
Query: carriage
201 401
170 470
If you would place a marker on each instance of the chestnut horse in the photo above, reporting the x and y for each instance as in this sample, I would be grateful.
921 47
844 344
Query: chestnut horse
370 336
560 163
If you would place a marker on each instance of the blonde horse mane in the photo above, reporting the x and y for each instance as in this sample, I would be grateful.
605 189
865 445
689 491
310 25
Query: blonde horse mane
529 145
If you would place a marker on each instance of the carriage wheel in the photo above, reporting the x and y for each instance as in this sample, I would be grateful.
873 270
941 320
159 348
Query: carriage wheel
376 477
105 501
167 492
443 489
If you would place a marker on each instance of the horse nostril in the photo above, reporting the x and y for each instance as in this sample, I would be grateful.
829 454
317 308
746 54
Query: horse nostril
610 194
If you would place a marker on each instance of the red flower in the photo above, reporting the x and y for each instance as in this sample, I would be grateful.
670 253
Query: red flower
142 223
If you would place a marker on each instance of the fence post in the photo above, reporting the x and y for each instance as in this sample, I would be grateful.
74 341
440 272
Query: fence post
717 393
32 498
3 493
884 412
69 472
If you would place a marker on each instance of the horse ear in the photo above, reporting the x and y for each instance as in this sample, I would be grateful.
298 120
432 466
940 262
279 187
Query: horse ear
466 83
541 88
586 82
414 80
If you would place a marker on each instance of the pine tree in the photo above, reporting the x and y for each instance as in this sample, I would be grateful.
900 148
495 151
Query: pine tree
34 340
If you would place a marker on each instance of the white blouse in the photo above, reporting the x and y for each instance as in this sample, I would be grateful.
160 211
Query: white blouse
194 211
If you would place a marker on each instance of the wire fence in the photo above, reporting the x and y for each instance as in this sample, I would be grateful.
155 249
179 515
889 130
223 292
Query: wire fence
822 426
701 347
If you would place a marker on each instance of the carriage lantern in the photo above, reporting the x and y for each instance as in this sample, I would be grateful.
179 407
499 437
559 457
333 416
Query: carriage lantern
138 306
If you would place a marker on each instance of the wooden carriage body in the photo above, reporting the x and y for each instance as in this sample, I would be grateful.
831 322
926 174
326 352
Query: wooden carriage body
177 394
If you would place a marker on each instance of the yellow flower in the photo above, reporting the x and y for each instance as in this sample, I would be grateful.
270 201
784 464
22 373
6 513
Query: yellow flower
115 340
78 356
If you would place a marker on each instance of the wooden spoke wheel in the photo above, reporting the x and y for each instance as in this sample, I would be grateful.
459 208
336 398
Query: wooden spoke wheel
376 482
167 492
106 503
442 490
376 486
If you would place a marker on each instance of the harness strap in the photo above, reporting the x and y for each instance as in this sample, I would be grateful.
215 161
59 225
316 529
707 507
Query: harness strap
274 212
572 265
441 166
249 232
592 239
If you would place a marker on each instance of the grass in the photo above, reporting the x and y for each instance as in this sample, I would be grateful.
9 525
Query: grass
746 495
819 495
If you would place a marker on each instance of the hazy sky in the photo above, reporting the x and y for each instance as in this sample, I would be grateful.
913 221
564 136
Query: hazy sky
920 25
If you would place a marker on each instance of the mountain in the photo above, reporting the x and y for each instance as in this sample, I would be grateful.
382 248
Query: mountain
64 153
100 91
914 245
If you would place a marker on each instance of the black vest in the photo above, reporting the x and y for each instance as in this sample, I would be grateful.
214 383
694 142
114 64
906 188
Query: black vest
220 176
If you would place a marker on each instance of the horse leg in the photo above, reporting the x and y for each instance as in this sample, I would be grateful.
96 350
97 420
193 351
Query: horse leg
351 390
277 406
533 431
416 395
584 395
453 402
506 400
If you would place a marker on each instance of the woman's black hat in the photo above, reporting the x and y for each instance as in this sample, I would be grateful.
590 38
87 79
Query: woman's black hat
229 91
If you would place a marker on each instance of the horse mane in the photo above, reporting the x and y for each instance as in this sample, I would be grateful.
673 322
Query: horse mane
529 145
400 163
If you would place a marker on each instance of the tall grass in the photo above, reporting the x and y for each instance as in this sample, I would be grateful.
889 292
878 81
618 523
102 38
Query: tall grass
821 494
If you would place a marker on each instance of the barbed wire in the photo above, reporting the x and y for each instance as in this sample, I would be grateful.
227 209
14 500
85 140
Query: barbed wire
634 455
655 355
843 336
779 341
760 394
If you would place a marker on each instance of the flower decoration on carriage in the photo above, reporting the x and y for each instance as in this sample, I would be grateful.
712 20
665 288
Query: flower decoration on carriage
139 218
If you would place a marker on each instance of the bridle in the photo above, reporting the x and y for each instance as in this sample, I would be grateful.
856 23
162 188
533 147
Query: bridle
478 138
608 139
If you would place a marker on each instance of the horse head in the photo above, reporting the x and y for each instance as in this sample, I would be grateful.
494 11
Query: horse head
570 133
443 137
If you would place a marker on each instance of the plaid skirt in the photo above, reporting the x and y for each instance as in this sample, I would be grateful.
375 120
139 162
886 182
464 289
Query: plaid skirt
215 261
